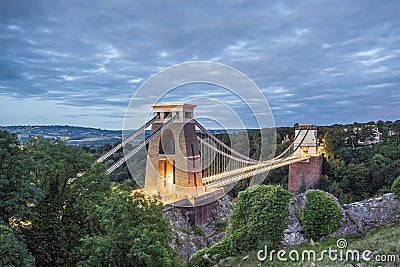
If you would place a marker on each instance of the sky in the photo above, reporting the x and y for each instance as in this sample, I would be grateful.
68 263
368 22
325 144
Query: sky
69 62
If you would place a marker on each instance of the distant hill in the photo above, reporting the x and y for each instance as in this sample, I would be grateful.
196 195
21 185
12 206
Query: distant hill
75 135
72 135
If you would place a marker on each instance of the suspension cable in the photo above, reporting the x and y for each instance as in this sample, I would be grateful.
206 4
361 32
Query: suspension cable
144 143
202 141
222 143
127 140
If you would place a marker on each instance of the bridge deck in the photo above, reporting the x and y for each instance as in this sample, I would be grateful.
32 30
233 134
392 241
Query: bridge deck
229 177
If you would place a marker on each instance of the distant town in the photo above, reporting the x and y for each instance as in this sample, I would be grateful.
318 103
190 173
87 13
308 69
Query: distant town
72 135
352 134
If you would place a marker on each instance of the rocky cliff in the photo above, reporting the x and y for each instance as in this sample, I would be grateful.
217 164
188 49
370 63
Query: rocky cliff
190 239
357 218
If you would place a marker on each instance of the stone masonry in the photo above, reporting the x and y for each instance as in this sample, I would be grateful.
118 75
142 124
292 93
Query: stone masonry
304 174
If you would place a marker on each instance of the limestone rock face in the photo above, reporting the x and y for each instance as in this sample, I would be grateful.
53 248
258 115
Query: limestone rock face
293 234
357 218
187 239
371 213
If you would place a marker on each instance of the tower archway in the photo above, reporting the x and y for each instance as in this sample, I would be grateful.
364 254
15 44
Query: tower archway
167 143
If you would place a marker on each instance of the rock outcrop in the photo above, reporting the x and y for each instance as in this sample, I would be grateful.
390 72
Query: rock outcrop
357 218
189 239
369 214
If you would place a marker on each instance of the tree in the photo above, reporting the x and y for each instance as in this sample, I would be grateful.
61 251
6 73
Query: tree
17 195
367 133
382 170
134 232
279 175
396 188
396 130
352 135
13 252
334 141
358 177
66 210
16 191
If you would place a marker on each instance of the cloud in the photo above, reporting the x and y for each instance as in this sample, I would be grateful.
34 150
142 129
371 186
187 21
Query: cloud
307 56
15 28
375 60
136 80
71 78
368 53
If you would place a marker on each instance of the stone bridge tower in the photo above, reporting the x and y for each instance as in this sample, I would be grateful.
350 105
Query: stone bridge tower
305 174
173 168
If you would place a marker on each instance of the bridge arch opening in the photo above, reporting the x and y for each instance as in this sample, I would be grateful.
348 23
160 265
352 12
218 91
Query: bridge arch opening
167 143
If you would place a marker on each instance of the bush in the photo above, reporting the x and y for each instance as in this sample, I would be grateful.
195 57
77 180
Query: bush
210 256
220 226
258 219
396 188
321 215
197 230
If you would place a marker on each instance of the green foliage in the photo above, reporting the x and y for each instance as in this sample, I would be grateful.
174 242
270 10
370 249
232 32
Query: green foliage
220 226
334 140
134 232
64 223
65 212
197 230
321 216
13 252
16 190
353 174
258 218
17 194
279 175
210 256
396 188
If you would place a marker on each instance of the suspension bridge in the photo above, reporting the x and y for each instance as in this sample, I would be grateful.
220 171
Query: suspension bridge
188 166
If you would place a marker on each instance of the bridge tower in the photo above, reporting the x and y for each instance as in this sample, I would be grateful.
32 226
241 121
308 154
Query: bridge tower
173 168
305 174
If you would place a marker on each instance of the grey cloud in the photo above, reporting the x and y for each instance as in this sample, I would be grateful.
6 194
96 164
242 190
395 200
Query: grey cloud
317 53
